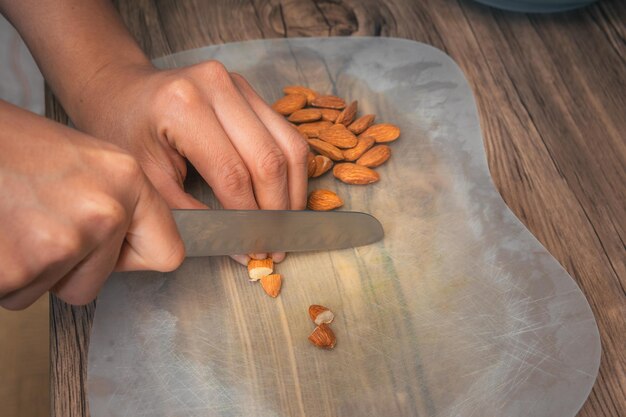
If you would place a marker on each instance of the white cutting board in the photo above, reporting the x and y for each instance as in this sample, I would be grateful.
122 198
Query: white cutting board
459 311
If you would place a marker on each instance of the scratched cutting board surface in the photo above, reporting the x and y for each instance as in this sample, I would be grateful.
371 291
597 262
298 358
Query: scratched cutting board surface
459 311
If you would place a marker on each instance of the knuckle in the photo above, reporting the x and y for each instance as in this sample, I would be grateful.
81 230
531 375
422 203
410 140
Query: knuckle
179 92
219 75
105 215
16 276
62 247
127 166
234 177
272 165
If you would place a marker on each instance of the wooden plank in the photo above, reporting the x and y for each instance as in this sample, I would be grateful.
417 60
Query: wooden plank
551 93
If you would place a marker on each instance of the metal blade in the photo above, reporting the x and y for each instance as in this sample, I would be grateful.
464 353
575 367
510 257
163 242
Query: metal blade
229 232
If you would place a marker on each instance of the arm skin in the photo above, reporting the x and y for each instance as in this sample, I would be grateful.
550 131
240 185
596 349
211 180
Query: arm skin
249 155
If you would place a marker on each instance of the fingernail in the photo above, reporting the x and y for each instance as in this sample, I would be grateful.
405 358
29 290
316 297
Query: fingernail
242 259
278 256
258 255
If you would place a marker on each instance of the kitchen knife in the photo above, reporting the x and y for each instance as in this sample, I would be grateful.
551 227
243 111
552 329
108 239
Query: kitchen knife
229 232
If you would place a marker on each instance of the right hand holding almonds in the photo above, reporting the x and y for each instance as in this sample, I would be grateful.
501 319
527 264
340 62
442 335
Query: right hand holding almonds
333 130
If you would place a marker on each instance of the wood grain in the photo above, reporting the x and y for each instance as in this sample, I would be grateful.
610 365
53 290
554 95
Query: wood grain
551 93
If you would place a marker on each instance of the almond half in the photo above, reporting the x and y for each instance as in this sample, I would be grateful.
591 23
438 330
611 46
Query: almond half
271 284
320 314
322 165
355 174
311 164
323 337
323 200
376 156
289 104
258 268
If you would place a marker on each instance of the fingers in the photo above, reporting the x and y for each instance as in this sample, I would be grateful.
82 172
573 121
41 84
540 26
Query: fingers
291 143
152 240
170 189
259 150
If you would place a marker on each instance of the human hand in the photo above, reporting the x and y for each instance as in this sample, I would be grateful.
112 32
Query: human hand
249 155
72 210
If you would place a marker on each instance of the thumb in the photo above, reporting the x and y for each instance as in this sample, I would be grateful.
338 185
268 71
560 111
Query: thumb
152 241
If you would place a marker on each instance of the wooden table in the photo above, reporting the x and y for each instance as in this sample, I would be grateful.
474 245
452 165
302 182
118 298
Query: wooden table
551 93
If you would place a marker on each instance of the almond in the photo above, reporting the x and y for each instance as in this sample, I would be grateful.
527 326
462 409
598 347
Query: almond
329 102
299 89
258 268
383 132
311 164
359 125
271 284
347 115
305 115
326 149
339 136
322 165
363 144
312 130
329 114
376 156
320 314
323 200
355 174
323 337
289 104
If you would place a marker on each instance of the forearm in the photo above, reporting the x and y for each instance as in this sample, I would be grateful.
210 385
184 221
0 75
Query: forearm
77 44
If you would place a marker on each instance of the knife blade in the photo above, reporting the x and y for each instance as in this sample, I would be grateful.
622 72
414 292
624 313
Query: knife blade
229 232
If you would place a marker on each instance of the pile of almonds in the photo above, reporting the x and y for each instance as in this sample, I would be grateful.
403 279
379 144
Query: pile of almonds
353 145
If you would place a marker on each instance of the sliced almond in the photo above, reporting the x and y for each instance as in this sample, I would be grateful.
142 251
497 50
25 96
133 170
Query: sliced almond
299 89
320 314
258 268
323 200
312 130
348 114
359 125
376 156
322 165
271 284
329 102
289 103
355 174
329 114
383 132
323 337
311 164
305 115
363 144
326 149
339 136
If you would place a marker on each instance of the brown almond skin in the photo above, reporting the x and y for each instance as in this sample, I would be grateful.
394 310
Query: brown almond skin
348 114
312 130
359 125
363 144
299 89
339 136
315 310
271 284
329 102
326 149
355 174
322 165
329 114
323 200
323 337
383 132
376 156
289 104
305 115
311 164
